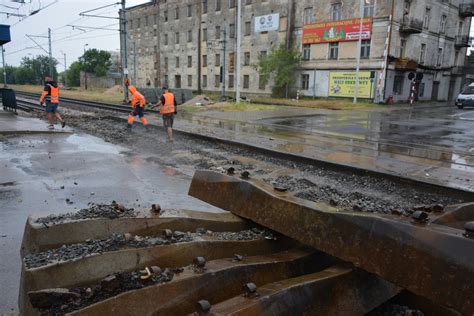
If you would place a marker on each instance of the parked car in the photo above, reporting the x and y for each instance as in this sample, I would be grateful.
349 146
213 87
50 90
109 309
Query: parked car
466 97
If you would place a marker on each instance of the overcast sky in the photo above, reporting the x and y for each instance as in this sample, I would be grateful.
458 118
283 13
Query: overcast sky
57 16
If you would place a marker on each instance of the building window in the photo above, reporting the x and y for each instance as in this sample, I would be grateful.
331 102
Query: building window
190 61
365 49
231 81
248 2
442 27
218 60
369 8
231 4
261 83
398 85
439 57
176 38
426 19
167 80
190 36
421 93
217 82
456 57
232 30
305 82
460 28
308 15
190 80
165 15
177 81
131 24
306 52
218 5
336 13
204 81
204 35
422 54
218 32
166 39
146 21
166 63
247 59
204 6
248 27
403 45
204 60
176 13
190 10
138 22
246 81
333 50
177 62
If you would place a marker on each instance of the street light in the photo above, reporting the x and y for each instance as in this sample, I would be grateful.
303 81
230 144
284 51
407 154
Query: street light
85 47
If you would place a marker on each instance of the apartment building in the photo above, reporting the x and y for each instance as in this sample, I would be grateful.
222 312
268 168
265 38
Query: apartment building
192 44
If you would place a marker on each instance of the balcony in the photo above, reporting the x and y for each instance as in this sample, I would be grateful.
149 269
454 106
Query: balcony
463 70
410 26
461 41
466 9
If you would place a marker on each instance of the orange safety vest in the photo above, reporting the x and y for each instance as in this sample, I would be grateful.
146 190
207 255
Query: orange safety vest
137 97
52 97
168 107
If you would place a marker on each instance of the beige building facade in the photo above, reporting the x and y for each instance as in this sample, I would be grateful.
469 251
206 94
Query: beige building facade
191 43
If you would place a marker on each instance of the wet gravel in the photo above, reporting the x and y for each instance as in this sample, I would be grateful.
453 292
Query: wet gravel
251 234
339 188
111 211
113 243
124 241
111 286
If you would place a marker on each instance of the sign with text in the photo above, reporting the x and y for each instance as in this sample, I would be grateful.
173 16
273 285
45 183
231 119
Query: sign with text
342 84
267 23
337 31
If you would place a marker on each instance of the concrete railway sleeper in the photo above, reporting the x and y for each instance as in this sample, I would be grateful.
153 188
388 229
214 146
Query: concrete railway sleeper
422 255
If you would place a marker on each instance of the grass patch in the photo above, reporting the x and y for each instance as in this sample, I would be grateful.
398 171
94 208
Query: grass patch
100 95
316 103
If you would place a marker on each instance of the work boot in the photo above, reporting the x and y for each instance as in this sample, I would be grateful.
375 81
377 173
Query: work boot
63 124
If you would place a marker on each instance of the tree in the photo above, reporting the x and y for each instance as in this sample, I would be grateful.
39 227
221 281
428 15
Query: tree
40 66
280 65
24 75
74 74
95 61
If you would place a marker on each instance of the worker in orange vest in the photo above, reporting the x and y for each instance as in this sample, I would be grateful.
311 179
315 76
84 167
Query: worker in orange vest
168 108
138 104
50 100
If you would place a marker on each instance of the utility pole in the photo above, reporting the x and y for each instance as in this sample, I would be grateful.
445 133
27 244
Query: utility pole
65 70
50 54
135 63
124 46
4 69
223 63
199 66
239 41
359 47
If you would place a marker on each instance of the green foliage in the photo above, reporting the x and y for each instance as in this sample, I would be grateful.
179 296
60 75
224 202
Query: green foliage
74 74
280 65
40 66
95 61
24 75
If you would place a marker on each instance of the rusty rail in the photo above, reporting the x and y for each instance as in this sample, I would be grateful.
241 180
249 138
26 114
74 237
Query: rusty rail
428 259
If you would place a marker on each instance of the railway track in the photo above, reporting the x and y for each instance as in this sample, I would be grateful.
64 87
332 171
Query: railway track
68 101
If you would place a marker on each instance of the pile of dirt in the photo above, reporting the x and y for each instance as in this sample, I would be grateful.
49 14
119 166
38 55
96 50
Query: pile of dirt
199 100
114 90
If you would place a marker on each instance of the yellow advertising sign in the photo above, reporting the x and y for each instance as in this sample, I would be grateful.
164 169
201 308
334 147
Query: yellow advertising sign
342 84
